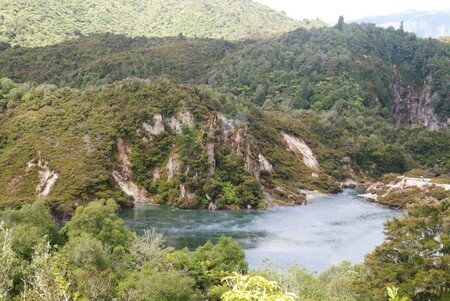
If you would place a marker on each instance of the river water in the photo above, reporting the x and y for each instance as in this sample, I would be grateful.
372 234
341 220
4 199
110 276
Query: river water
327 231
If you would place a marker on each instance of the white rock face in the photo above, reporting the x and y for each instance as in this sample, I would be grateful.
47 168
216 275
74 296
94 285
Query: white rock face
187 119
158 126
173 167
183 118
47 177
399 185
211 159
174 124
422 183
297 145
123 177
264 164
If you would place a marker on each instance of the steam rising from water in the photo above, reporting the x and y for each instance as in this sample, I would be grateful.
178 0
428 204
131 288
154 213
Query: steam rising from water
327 231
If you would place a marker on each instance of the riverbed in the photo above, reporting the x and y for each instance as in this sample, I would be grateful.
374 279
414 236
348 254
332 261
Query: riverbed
327 231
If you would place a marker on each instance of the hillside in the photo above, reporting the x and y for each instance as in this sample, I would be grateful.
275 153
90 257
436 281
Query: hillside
358 66
425 24
40 23
154 141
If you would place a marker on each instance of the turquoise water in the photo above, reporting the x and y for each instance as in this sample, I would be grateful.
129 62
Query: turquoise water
327 231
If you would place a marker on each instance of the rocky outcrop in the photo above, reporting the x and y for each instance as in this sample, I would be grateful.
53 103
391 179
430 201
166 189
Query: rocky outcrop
211 159
264 165
173 167
124 176
298 146
183 118
411 105
408 186
47 177
158 126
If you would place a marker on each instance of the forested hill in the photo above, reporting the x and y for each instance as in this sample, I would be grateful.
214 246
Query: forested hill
348 66
45 22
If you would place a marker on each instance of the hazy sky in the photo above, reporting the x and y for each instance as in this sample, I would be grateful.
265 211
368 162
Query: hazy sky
330 10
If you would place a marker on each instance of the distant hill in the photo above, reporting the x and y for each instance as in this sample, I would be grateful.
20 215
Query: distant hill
46 22
357 66
425 24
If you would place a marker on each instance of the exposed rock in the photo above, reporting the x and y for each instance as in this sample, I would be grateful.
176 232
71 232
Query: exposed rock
314 175
211 159
297 145
373 197
139 194
88 145
414 106
156 174
312 194
47 177
264 164
158 125
186 194
349 183
123 176
228 126
378 190
280 196
212 206
173 167
250 164
174 124
186 119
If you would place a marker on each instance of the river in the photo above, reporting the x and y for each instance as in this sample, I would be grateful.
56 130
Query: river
327 231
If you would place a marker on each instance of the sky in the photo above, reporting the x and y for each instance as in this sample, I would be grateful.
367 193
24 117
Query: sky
330 10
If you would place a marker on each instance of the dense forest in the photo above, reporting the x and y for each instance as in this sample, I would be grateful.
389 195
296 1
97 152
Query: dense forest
47 22
220 105
349 65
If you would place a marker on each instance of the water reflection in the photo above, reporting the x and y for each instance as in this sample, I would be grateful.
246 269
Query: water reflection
316 236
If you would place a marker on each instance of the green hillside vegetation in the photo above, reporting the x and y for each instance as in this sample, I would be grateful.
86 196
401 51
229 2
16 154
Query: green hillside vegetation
345 66
323 69
105 58
40 23
77 132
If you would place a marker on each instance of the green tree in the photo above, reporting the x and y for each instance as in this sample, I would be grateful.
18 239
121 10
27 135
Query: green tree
100 220
152 284
415 255
7 262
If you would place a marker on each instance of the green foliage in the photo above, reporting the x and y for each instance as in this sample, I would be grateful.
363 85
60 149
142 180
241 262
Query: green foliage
30 225
414 256
103 59
334 284
92 265
226 255
393 294
99 219
42 23
154 285
254 288
46 280
7 262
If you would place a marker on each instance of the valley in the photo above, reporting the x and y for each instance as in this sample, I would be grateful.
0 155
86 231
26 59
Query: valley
169 150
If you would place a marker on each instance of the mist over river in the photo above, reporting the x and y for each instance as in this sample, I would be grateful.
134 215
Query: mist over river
327 231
